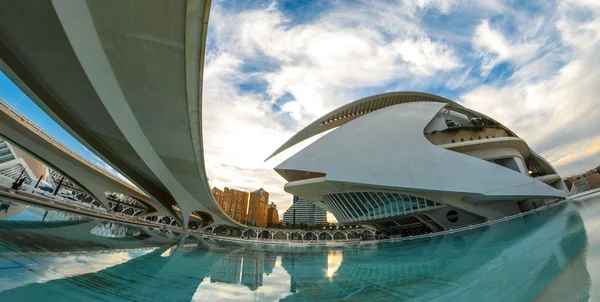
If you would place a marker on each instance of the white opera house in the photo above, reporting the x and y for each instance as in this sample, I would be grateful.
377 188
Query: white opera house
411 163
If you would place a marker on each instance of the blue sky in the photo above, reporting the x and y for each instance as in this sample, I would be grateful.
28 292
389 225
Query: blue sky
15 97
272 67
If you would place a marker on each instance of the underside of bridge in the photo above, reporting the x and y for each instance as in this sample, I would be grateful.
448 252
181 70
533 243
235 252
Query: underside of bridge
124 78
85 176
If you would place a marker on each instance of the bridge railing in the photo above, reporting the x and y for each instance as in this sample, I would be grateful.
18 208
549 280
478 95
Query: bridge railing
7 181
6 107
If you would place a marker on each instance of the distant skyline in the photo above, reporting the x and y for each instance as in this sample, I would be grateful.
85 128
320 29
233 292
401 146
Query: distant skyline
272 67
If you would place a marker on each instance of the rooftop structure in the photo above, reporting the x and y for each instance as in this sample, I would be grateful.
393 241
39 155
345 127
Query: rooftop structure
413 163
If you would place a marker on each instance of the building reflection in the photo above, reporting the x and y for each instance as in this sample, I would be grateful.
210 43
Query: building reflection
228 269
520 256
246 267
270 261
520 260
334 260
35 231
9 209
154 275
253 269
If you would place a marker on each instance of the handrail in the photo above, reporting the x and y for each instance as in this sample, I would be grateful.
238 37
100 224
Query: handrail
19 117
430 235
254 240
469 227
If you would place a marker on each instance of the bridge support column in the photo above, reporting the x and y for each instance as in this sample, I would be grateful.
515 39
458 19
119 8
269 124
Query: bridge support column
273 234
257 231
302 234
317 234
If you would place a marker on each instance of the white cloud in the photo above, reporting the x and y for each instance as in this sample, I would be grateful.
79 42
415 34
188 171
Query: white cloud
295 72
316 66
323 63
579 24
554 110
447 6
426 57
496 48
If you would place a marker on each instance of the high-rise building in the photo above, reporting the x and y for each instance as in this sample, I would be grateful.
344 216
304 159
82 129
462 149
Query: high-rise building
272 215
257 211
304 212
235 204
218 195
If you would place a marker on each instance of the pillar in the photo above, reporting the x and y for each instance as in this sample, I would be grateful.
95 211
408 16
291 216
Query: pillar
317 234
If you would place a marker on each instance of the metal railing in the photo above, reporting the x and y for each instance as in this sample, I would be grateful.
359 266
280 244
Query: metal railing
269 240
79 207
7 181
19 117
470 227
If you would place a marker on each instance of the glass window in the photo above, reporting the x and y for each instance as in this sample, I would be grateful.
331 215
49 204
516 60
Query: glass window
343 209
360 203
347 201
452 216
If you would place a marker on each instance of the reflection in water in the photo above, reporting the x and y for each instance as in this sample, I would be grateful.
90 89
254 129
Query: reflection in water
44 268
334 259
541 256
169 251
9 209
115 230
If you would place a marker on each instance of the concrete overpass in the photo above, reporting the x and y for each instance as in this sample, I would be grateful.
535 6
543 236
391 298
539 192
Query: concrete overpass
125 79
30 138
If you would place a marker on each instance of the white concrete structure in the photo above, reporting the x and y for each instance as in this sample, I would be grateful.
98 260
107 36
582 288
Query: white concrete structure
13 162
418 161
125 79
28 137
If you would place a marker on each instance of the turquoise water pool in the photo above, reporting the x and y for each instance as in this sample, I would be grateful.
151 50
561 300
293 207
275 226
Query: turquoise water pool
552 255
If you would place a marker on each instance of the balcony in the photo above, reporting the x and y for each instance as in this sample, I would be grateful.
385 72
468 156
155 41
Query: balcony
460 134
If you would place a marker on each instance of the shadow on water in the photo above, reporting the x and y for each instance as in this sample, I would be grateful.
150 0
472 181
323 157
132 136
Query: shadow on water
511 261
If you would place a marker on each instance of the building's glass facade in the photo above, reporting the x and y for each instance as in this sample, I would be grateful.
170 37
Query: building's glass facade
362 206
304 212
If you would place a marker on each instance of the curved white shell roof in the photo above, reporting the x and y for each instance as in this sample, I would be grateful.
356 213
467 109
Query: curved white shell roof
388 149
351 111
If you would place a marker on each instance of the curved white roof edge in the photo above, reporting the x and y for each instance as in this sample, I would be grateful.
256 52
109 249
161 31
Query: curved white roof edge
353 110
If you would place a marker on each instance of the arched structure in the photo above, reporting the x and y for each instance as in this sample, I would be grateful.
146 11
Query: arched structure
416 163
22 133
124 80
255 233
